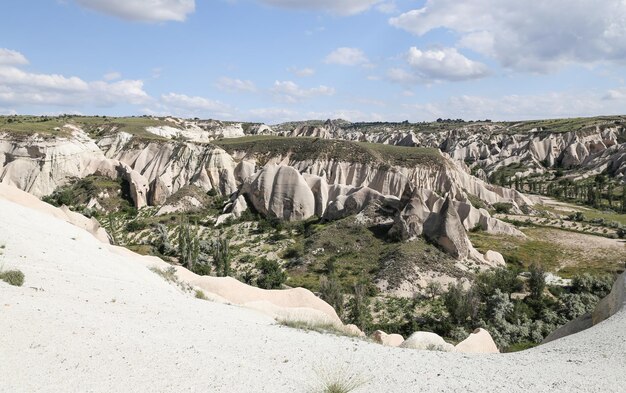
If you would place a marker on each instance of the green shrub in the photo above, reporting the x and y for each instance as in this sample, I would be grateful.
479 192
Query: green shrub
502 208
331 293
271 275
136 225
12 277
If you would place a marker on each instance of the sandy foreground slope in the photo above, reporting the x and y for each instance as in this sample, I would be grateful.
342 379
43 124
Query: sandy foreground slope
89 320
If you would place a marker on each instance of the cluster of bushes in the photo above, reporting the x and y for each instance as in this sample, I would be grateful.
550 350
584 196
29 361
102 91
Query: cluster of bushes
512 320
519 310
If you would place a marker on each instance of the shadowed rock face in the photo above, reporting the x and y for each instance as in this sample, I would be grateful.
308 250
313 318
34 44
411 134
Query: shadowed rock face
445 229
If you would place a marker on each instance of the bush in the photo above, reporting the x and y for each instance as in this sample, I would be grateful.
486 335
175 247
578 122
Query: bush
136 225
295 251
271 275
331 293
502 208
12 277
597 285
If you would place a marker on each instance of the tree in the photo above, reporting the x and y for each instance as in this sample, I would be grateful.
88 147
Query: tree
271 275
433 289
358 308
220 251
188 244
536 282
331 293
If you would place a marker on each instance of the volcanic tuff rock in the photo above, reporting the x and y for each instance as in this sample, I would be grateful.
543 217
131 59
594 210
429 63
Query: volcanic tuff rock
487 146
286 184
280 192
427 341
479 341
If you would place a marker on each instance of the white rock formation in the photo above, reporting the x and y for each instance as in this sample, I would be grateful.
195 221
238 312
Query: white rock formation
281 192
390 340
427 341
479 341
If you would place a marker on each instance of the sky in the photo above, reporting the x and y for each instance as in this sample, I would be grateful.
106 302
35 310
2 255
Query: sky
281 60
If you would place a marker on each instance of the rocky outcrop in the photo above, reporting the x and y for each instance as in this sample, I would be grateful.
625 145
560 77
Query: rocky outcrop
479 341
445 229
175 164
488 146
280 192
390 340
427 341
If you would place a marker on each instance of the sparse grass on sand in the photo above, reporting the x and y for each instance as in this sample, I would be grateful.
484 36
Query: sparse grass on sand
322 328
338 380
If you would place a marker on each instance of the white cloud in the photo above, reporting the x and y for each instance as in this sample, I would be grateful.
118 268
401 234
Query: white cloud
302 72
111 76
184 105
353 115
11 57
347 56
445 64
18 88
290 92
521 107
235 85
143 10
389 7
615 94
273 115
341 7
535 36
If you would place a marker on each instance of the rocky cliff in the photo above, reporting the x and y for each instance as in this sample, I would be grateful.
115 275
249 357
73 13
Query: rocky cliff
423 191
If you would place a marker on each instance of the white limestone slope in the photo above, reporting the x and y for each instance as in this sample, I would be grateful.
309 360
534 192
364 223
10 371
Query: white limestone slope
92 320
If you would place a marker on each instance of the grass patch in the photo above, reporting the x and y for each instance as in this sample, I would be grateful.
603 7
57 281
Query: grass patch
12 277
198 294
49 126
548 247
323 328
305 148
339 380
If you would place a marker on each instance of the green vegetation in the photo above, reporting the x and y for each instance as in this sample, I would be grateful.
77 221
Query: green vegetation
566 125
339 380
323 328
49 126
553 249
111 195
264 147
12 277
513 320
271 275
200 295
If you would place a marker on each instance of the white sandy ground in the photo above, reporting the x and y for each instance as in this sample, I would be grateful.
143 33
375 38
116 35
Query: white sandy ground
89 320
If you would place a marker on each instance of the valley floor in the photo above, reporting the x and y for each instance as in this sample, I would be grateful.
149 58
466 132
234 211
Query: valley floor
89 320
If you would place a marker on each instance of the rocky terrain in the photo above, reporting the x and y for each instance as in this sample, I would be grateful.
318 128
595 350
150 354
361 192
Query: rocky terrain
109 323
387 223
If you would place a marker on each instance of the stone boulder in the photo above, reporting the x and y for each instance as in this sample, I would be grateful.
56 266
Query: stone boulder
427 341
390 340
479 341
495 258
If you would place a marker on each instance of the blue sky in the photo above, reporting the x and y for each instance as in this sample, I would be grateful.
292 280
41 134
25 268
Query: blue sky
279 60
